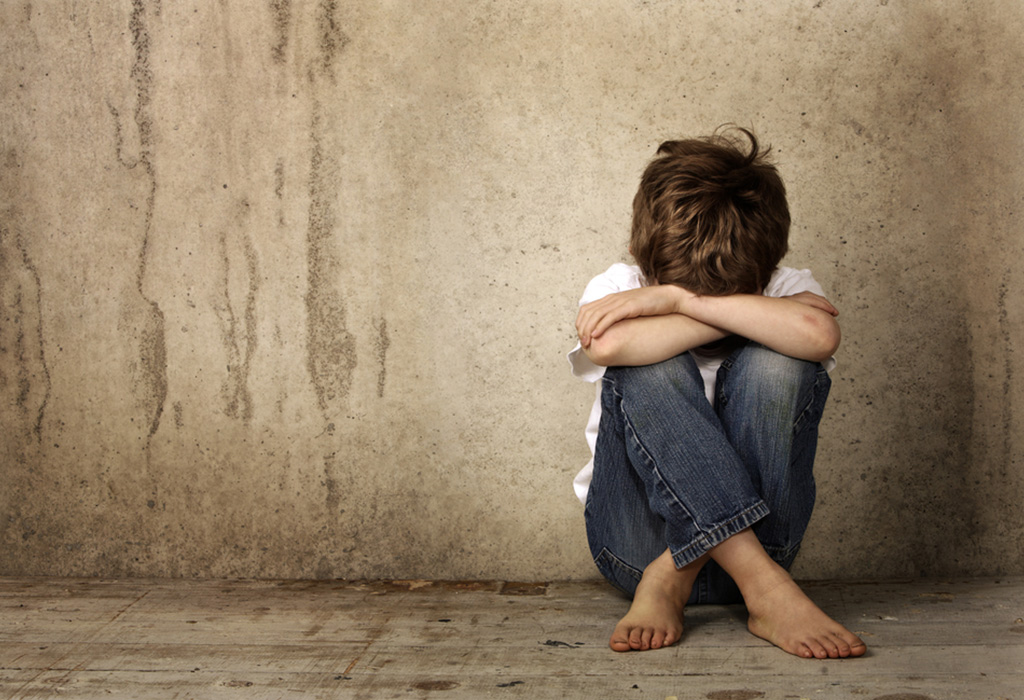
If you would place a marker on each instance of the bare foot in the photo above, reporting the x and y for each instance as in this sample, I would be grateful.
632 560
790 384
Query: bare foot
779 611
782 614
655 618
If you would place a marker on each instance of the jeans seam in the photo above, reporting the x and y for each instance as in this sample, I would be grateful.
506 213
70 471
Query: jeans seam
707 539
648 458
819 392
653 465
609 558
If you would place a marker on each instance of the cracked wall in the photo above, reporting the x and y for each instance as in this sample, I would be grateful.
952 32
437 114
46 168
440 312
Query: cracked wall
287 286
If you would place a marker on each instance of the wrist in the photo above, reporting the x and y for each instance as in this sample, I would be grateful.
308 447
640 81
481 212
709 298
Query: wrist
686 302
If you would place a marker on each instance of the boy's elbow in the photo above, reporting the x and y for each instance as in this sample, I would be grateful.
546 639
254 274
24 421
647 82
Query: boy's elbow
602 351
596 354
827 337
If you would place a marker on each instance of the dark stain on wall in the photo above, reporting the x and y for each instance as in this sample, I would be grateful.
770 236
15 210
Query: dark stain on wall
282 17
332 41
279 179
238 331
1006 404
333 495
21 331
142 76
119 146
383 343
146 317
332 352
279 190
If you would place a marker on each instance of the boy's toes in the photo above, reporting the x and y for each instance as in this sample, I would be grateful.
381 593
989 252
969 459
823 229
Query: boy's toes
816 648
619 644
858 649
620 639
843 649
849 645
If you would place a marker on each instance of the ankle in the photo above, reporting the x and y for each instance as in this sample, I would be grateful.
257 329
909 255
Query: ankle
662 574
762 581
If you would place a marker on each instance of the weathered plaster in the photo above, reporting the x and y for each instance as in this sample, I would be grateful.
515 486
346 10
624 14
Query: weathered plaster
287 286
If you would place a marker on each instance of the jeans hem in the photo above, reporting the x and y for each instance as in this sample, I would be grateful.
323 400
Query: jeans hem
707 541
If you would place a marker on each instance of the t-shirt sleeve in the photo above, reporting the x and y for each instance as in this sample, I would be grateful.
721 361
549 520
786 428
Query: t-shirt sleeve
787 281
619 277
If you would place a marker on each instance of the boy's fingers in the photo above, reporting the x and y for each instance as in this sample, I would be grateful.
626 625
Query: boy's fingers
598 316
603 323
584 329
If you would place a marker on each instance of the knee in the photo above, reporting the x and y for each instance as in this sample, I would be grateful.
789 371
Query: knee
679 373
767 373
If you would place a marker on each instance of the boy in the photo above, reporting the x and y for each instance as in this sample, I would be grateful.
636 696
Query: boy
711 364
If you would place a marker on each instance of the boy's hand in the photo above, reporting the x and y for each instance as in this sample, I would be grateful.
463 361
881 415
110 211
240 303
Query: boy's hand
598 316
815 300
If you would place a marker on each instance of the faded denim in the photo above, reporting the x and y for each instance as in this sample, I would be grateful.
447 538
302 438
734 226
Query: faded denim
672 471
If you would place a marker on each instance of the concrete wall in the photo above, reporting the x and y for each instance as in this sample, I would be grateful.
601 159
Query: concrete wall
287 286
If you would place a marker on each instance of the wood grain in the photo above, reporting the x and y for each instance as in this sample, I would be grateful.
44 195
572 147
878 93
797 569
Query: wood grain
417 639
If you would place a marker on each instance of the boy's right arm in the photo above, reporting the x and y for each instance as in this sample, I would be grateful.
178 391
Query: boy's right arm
641 327
650 339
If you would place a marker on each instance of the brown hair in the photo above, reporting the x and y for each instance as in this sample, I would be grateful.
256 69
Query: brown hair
710 216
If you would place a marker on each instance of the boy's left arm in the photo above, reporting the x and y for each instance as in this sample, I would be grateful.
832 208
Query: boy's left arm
802 325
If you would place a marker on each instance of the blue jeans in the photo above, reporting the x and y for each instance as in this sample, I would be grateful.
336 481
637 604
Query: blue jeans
672 471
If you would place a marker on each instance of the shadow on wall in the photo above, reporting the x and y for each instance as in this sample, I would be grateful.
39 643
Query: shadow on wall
940 399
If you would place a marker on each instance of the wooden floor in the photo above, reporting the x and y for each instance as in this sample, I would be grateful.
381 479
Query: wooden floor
63 638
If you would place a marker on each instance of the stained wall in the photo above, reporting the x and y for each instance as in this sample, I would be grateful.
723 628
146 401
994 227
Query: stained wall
287 286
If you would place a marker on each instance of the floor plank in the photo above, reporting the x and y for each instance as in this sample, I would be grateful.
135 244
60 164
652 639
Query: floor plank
416 639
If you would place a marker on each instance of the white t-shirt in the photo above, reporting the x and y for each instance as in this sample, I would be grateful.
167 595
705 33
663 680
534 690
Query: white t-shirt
785 281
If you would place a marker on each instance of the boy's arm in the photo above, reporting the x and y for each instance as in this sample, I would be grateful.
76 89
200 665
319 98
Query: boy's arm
803 326
640 327
651 324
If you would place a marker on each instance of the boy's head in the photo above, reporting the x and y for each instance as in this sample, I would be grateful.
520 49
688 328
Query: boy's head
711 215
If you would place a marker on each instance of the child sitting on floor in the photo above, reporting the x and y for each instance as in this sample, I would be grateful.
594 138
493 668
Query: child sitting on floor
712 369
